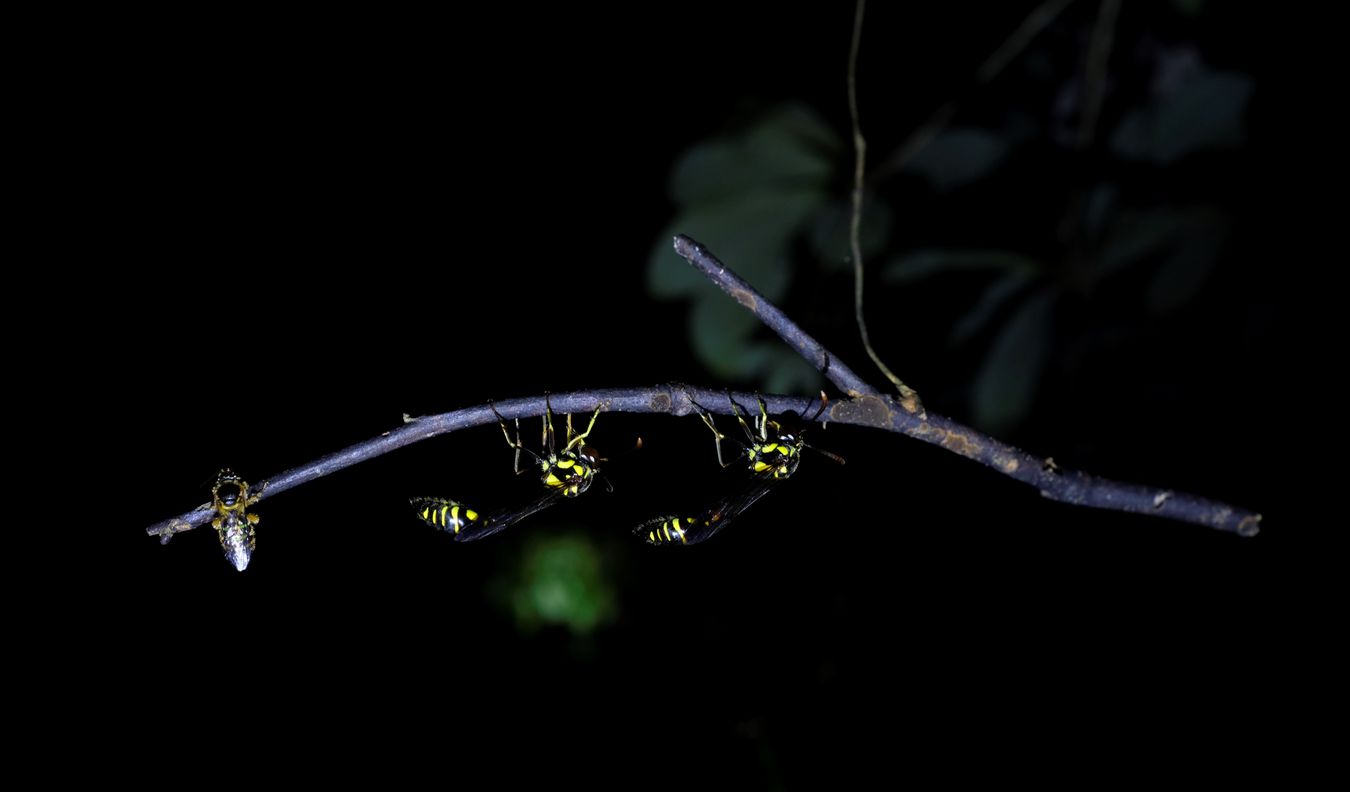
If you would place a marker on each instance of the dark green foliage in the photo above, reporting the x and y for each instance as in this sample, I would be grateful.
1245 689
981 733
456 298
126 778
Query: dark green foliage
1100 228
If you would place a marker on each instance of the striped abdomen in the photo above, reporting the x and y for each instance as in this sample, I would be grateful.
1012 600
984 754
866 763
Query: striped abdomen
447 515
673 530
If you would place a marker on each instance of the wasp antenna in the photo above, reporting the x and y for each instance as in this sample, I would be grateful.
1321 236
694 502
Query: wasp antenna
830 455
637 446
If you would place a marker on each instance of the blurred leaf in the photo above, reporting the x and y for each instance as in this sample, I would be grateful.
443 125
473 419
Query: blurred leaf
561 581
668 275
922 264
720 331
1101 207
1019 126
829 231
709 170
1183 273
1132 238
723 337
1140 237
746 196
750 232
784 371
958 156
805 126
1204 110
1189 7
1006 383
790 147
993 298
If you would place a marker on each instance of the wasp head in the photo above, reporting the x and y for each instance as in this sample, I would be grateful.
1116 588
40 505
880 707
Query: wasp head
230 492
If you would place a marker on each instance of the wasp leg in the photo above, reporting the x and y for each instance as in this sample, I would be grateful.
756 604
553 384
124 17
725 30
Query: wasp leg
765 422
548 426
736 410
718 437
708 421
574 439
824 402
515 444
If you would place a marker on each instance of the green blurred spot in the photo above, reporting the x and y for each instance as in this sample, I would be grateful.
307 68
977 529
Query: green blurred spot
957 157
561 581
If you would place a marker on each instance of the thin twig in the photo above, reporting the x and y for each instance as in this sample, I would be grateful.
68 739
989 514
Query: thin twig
869 408
1039 19
750 299
866 408
908 397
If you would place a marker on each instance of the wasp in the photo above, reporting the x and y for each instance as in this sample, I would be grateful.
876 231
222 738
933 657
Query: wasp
770 455
233 523
564 474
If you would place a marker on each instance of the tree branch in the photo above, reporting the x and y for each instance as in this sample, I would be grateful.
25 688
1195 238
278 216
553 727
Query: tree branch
670 399
868 407
865 407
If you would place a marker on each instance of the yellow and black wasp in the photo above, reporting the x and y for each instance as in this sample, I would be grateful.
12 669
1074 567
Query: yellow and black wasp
564 474
233 523
771 454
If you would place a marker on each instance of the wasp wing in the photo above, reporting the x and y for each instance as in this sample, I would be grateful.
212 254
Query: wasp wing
692 530
505 518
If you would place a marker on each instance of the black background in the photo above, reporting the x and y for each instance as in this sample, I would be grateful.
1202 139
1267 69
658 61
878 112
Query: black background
327 221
